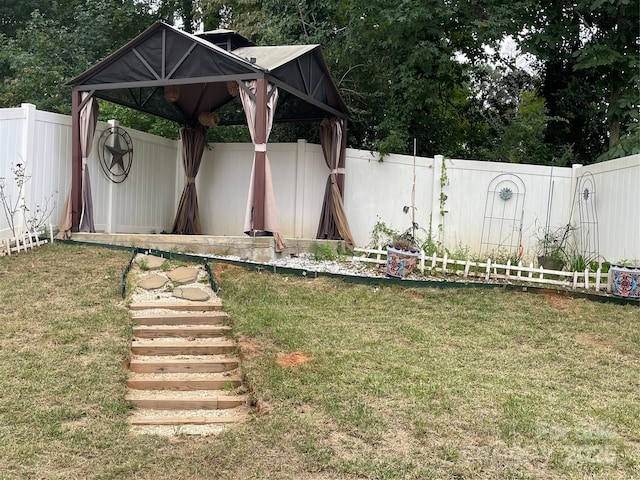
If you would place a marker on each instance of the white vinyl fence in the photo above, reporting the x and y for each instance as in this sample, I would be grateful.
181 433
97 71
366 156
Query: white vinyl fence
484 209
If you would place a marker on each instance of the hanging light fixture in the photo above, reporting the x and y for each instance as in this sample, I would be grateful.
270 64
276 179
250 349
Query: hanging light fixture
172 93
233 88
208 119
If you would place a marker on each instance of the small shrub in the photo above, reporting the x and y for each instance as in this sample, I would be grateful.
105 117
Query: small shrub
402 244
322 251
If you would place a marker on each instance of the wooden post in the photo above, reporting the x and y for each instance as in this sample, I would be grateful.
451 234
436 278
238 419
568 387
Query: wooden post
76 163
260 153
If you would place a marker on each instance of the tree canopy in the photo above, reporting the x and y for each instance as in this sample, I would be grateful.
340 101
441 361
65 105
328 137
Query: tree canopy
430 69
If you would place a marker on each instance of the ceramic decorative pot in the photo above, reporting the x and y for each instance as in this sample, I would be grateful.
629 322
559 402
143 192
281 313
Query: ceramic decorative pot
624 280
400 262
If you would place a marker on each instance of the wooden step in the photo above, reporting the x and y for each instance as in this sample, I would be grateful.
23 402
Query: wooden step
216 402
187 420
184 365
184 383
151 347
182 306
180 331
183 318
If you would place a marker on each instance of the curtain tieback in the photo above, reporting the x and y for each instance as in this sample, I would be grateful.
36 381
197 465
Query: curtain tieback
337 171
191 179
261 147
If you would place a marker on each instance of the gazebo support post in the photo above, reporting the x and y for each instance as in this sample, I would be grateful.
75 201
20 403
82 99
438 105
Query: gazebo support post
260 151
76 162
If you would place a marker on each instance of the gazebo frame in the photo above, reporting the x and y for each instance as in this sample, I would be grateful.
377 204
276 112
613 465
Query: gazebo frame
163 56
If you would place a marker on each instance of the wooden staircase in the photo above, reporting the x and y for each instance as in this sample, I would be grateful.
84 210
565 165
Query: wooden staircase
185 373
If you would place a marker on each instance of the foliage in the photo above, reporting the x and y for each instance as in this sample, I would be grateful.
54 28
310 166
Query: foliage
629 144
429 77
588 54
57 41
427 70
382 235
322 251
139 120
521 131
553 244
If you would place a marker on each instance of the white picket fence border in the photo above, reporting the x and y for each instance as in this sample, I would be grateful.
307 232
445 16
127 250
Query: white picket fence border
495 271
24 242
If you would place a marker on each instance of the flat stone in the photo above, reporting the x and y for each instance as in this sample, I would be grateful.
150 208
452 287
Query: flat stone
153 281
151 261
183 275
194 294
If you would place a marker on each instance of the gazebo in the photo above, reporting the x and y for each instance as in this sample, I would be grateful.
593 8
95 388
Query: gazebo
191 79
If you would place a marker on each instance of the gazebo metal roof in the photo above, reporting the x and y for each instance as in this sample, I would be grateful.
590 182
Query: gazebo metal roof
136 75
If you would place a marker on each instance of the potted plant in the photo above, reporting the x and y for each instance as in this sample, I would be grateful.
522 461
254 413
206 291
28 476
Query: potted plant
624 279
401 257
551 248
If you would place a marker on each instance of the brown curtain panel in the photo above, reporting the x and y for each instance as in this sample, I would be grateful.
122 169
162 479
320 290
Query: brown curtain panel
271 219
333 219
187 220
88 123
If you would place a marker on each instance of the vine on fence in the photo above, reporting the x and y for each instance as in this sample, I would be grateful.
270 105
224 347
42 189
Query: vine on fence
444 181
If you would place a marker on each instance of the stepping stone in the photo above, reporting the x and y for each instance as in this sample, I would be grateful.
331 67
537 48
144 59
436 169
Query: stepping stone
183 275
151 282
151 261
194 294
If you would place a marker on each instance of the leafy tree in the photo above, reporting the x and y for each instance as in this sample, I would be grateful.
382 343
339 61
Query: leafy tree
407 69
589 63
39 60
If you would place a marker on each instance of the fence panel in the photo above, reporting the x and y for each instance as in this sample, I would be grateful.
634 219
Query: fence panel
494 271
451 195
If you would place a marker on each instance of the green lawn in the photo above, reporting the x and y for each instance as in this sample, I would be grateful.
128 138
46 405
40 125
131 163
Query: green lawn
442 384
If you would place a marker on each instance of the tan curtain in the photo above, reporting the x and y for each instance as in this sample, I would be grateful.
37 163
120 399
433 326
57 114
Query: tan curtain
187 221
271 220
88 122
333 219
64 228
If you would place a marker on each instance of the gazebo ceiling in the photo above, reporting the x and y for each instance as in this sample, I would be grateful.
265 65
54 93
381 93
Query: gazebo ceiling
162 56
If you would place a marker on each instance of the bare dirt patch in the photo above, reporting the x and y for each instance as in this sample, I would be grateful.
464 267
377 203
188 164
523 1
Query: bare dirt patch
292 360
559 302
248 347
219 267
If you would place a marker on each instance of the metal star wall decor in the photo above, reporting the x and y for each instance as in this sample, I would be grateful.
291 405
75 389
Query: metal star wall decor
115 149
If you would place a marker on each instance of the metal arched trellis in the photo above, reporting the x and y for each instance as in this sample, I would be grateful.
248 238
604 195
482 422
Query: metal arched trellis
588 227
503 215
